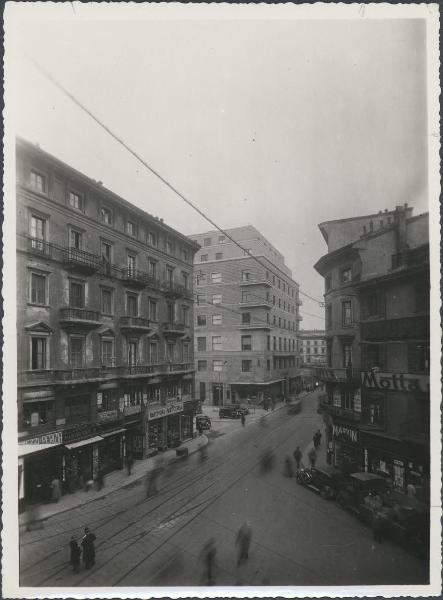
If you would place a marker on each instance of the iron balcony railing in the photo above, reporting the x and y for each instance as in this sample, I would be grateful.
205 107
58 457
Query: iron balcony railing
170 287
39 246
81 258
79 314
134 323
173 327
134 276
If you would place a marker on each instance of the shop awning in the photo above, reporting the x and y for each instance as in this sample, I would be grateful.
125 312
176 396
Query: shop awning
114 432
25 449
91 440
252 383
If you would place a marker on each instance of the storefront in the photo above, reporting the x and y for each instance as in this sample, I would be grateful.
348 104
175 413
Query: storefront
347 454
81 462
111 450
39 461
164 425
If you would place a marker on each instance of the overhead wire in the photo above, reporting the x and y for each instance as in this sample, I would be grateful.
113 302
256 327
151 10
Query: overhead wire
77 102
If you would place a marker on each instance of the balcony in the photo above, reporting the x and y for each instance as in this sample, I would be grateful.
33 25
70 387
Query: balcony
256 303
134 371
79 318
255 325
250 282
40 247
77 374
134 278
173 329
413 328
135 324
174 290
80 260
176 367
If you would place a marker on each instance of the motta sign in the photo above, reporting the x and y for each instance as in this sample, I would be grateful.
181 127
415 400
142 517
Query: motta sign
403 382
48 438
163 411
341 430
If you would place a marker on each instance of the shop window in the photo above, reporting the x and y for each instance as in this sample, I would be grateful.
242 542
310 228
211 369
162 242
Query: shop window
131 304
35 414
202 365
152 266
201 320
39 353
246 366
38 288
217 320
107 301
346 311
246 342
76 294
76 351
106 215
153 310
37 182
201 344
75 239
153 353
216 277
419 356
75 200
217 343
108 354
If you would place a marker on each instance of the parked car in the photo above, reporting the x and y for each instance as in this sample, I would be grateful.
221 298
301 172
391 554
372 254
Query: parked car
360 485
202 422
326 481
231 412
244 410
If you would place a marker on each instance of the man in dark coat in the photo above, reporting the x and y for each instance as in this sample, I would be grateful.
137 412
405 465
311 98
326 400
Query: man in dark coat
75 554
88 548
243 542
298 456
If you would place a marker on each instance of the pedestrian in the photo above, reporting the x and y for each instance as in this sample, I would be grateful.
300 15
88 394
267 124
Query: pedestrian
129 462
312 455
204 453
152 477
243 419
243 542
298 456
56 489
315 440
208 556
318 437
273 403
267 461
377 527
288 470
100 478
75 554
88 548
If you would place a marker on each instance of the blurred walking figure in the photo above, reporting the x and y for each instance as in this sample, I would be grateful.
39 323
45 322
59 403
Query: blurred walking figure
129 462
273 403
317 439
208 556
377 527
152 478
288 470
203 453
100 478
298 456
75 554
312 455
88 548
56 489
243 419
33 518
266 461
243 542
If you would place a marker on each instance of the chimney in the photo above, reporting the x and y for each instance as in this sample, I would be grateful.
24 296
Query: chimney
400 228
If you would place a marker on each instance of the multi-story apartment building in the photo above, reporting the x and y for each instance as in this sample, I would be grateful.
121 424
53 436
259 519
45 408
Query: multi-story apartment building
377 329
312 345
104 325
246 318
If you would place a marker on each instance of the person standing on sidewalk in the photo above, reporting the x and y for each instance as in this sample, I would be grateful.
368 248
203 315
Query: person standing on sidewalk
298 456
129 462
243 542
312 455
88 548
243 419
75 554
56 489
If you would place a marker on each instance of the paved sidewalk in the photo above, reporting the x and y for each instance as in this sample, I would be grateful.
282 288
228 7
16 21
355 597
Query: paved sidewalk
113 481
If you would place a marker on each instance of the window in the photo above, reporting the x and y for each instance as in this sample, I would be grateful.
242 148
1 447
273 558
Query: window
185 352
245 297
207 242
153 310
421 293
132 352
201 320
76 239
76 294
75 201
130 228
273 280
279 303
216 277
221 239
218 255
107 301
273 300
201 278
170 312
106 250
169 247
279 344
201 344
419 357
131 264
346 275
38 352
216 299
202 365
217 365
279 321
184 254
315 350
152 239
268 365
38 182
347 356
108 352
246 276
76 351
185 313
170 351
268 342
169 275
131 305
284 287
38 232
246 318
217 319
38 289
153 353
274 343
246 342
204 258
106 215
185 280
246 366
216 342
346 312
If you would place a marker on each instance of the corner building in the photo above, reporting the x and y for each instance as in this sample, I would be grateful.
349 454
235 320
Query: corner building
104 325
246 319
377 407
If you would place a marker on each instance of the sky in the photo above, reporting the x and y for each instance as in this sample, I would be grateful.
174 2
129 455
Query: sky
281 123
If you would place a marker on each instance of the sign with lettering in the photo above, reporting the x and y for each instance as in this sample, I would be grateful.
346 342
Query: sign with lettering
343 431
402 382
47 438
78 432
107 415
171 408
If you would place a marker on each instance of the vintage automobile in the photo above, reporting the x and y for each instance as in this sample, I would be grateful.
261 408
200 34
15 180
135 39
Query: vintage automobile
360 486
231 412
202 422
326 481
294 405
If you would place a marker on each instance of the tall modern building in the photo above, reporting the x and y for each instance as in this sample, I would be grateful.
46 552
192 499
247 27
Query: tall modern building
312 345
377 404
246 318
104 326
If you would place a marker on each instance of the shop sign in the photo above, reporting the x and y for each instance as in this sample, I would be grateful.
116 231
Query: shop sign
77 433
132 410
47 438
404 382
357 400
342 430
163 411
107 415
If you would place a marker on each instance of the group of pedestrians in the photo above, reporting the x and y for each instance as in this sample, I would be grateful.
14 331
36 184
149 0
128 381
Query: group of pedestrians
208 555
298 456
86 547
